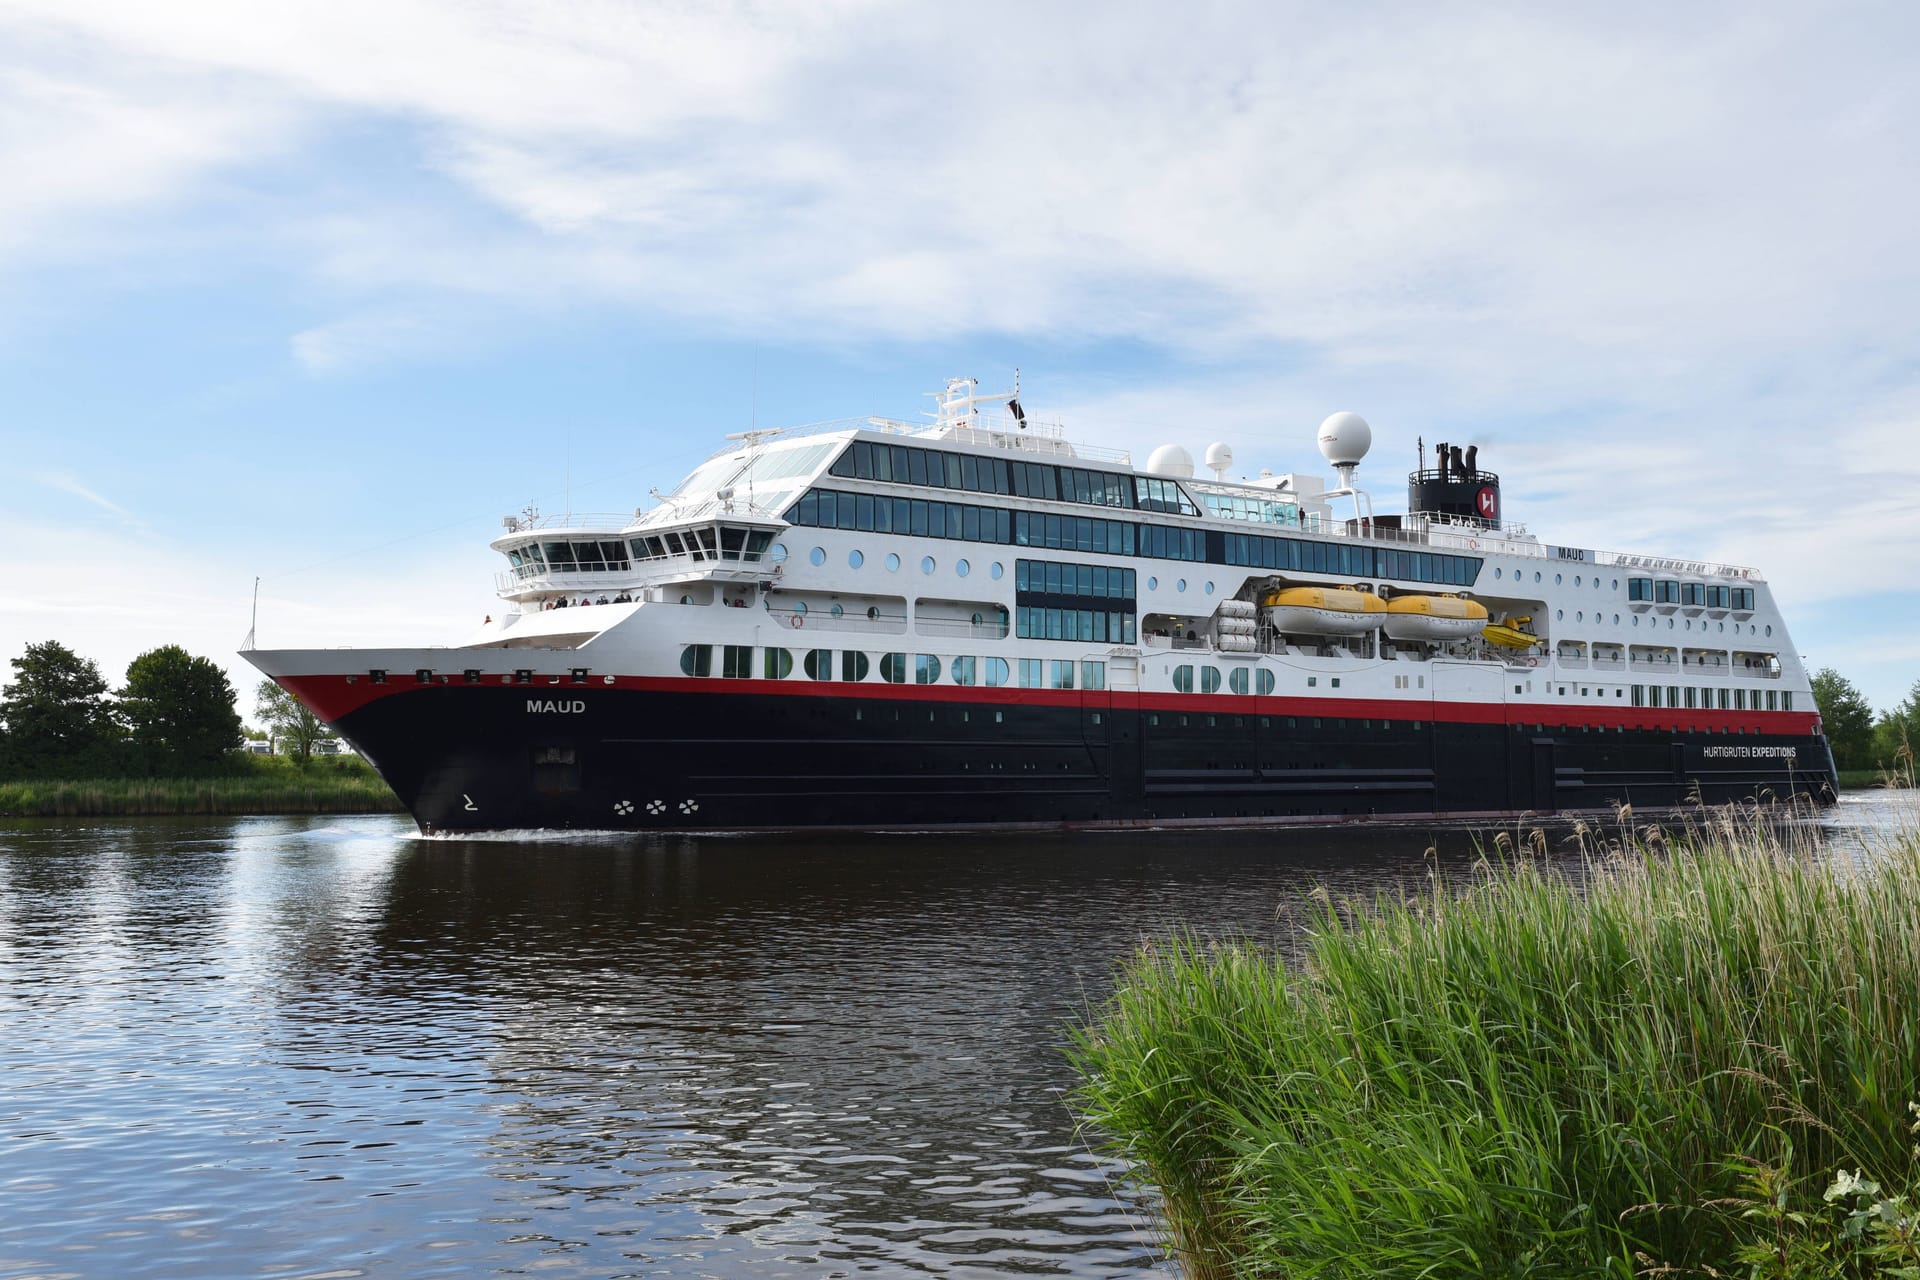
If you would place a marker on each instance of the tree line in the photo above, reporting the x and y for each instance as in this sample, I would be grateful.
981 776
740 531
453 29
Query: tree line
175 716
1859 738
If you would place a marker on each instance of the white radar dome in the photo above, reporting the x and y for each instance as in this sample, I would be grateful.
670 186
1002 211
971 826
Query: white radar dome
1219 458
1171 460
1345 438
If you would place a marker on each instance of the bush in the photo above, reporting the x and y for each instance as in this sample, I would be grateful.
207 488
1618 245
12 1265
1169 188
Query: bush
1541 1075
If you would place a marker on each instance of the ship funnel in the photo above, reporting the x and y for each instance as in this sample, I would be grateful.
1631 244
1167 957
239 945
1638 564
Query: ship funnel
1456 489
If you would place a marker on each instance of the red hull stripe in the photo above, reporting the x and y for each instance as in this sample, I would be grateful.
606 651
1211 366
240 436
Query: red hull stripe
333 698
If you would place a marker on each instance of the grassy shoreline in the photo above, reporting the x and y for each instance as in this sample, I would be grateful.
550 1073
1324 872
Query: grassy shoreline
266 792
1665 1065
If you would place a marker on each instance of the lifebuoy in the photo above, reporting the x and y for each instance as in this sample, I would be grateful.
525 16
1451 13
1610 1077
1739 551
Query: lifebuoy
1473 544
796 622
1533 662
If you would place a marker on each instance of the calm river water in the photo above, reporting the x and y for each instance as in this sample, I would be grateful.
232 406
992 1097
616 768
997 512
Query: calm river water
290 1047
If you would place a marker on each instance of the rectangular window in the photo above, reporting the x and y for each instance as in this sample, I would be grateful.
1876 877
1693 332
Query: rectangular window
737 662
1639 694
1061 675
1032 673
1093 675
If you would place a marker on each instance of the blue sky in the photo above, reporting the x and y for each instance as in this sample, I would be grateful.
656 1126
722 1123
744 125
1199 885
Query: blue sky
318 292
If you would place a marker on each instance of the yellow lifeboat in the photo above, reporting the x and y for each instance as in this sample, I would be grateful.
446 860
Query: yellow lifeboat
1442 617
1324 611
1508 635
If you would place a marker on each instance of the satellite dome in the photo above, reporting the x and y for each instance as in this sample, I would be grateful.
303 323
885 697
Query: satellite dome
1171 460
1219 458
1345 438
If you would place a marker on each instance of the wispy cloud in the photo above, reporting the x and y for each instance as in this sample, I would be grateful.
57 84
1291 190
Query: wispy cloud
61 482
360 341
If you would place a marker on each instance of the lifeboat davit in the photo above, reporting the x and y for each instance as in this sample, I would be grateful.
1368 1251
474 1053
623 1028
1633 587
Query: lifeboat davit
1508 635
1325 611
1443 617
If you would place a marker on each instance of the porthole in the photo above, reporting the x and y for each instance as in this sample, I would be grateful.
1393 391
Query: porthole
818 555
1153 584
1769 628
996 570
1579 615
1556 579
1559 615
1722 628
962 568
837 611
777 553
893 563
873 613
1180 585
855 559
800 607
926 564
1616 619
686 599
1499 573
1536 575
1209 588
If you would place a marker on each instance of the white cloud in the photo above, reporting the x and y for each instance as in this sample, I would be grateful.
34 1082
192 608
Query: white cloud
1488 193
64 483
359 341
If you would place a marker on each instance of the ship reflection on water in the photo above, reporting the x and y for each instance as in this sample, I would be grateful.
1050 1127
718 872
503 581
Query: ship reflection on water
292 1045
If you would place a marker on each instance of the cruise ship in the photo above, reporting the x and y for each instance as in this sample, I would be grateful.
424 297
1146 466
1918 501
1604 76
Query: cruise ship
970 621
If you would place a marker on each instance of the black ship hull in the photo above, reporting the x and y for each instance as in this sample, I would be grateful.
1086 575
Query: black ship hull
681 755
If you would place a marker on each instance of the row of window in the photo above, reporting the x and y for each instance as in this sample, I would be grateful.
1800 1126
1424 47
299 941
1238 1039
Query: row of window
1053 577
853 666
1302 555
1089 626
910 464
615 555
828 509
1697 595
1239 680
1708 699
915 517
1234 506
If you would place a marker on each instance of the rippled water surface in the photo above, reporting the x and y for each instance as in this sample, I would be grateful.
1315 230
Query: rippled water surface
300 1047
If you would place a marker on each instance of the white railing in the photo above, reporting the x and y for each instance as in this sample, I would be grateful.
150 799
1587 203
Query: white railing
887 624
959 627
597 522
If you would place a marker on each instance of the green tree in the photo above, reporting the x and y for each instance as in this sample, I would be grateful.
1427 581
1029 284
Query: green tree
1847 718
288 719
58 720
179 710
1897 736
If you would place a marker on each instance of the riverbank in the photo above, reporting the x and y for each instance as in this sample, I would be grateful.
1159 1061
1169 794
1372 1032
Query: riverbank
1868 779
1665 1064
268 789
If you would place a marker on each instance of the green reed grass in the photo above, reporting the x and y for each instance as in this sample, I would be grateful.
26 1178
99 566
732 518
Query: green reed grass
283 792
1532 1075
